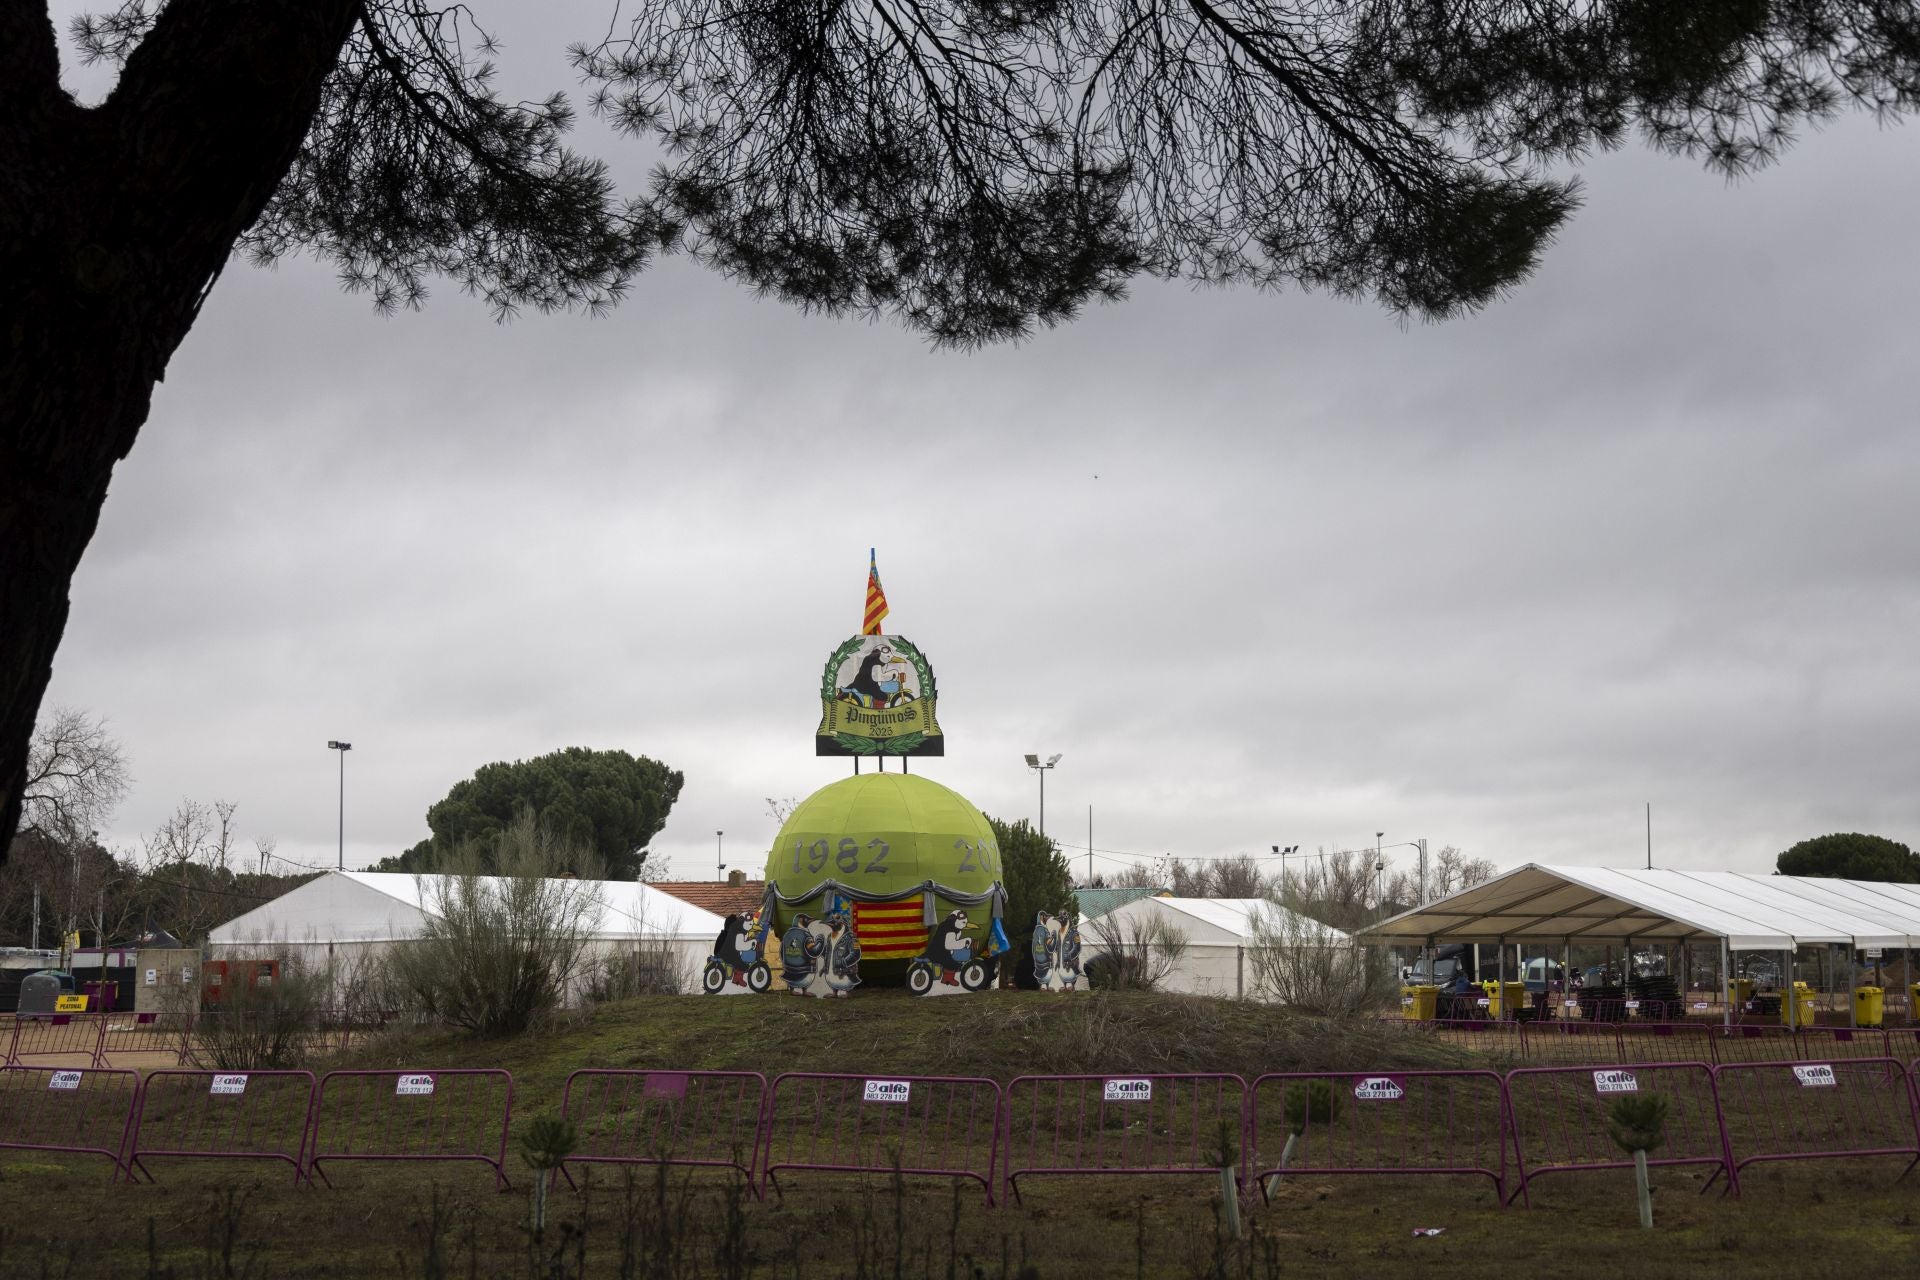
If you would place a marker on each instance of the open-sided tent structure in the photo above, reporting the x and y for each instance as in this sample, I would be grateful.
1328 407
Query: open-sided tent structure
1219 933
345 915
1732 911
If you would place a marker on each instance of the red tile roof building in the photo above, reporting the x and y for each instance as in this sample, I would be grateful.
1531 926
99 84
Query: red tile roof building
720 897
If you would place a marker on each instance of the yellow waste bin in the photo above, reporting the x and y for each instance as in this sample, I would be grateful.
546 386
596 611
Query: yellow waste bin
1417 1003
1502 1004
1802 1016
1869 1006
1739 990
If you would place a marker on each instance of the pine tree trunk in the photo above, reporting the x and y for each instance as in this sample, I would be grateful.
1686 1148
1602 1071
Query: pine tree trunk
114 222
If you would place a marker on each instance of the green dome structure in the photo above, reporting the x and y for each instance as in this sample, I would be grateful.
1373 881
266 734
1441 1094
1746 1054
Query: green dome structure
899 855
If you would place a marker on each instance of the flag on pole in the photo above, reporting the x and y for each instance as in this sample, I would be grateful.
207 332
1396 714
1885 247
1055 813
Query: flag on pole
876 598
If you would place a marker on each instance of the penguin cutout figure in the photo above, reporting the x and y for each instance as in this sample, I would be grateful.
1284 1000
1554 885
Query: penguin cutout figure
843 955
799 948
948 947
1043 948
1070 955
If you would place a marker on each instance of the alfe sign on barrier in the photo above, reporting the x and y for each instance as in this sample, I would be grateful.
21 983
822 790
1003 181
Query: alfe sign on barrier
1398 1123
937 1126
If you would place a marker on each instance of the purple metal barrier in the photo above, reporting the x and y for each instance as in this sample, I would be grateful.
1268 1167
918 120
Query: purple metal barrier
941 1126
1823 1044
1562 1042
1390 1122
1751 1043
81 1110
1818 1110
56 1035
223 1115
1666 1042
1558 1118
127 1034
1149 1124
412 1115
710 1118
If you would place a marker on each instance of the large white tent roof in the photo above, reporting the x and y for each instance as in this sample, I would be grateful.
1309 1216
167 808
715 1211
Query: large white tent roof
1211 921
1752 912
375 906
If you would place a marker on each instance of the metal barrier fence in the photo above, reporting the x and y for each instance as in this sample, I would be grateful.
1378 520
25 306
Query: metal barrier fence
710 1118
1818 1110
1392 1122
78 1110
1752 1043
942 1126
1149 1124
412 1115
65 1036
127 1035
1560 1042
1819 1044
222 1115
1559 1118
1666 1042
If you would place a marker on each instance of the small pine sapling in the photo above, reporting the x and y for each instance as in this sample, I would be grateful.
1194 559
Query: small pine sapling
1638 1122
545 1145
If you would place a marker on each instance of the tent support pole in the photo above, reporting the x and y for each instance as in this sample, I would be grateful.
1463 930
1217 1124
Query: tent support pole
1789 993
1727 989
1853 1014
1566 973
1505 1013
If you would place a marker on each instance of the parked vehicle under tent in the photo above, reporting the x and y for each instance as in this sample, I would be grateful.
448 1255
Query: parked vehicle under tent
1796 922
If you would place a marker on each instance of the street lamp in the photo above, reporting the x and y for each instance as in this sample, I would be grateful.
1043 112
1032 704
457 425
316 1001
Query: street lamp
718 856
1033 762
1379 871
342 748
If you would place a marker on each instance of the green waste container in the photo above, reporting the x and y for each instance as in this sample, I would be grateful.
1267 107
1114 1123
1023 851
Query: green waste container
1869 1006
1417 1003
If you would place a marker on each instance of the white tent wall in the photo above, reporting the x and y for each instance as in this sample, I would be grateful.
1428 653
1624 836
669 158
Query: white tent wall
1220 934
344 919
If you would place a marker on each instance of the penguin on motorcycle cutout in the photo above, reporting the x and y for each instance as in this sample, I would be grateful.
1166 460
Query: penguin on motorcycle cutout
736 959
949 959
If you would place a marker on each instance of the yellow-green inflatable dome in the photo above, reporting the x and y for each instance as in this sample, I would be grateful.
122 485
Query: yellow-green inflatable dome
899 853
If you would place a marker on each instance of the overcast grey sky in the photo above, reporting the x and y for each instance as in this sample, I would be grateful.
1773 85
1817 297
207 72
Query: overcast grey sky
1265 568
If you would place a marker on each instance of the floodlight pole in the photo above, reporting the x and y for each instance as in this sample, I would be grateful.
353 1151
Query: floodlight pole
1034 763
342 748
719 857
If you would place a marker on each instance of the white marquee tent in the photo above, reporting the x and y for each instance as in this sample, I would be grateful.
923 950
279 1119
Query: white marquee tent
1219 933
345 914
1728 910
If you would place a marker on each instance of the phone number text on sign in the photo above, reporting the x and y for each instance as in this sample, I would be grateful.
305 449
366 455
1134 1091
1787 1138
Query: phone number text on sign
887 1091
413 1085
1128 1091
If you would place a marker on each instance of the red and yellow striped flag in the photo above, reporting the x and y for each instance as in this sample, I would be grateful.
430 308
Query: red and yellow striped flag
889 930
876 598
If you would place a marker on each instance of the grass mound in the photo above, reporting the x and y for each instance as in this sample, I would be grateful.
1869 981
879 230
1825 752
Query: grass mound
998 1036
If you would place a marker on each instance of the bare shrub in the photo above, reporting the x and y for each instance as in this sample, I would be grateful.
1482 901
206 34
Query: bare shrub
1303 964
636 967
1137 952
272 1026
498 951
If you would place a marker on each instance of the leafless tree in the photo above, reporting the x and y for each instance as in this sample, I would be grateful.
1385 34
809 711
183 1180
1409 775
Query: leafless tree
76 776
1453 871
1303 964
500 950
1136 953
1345 888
